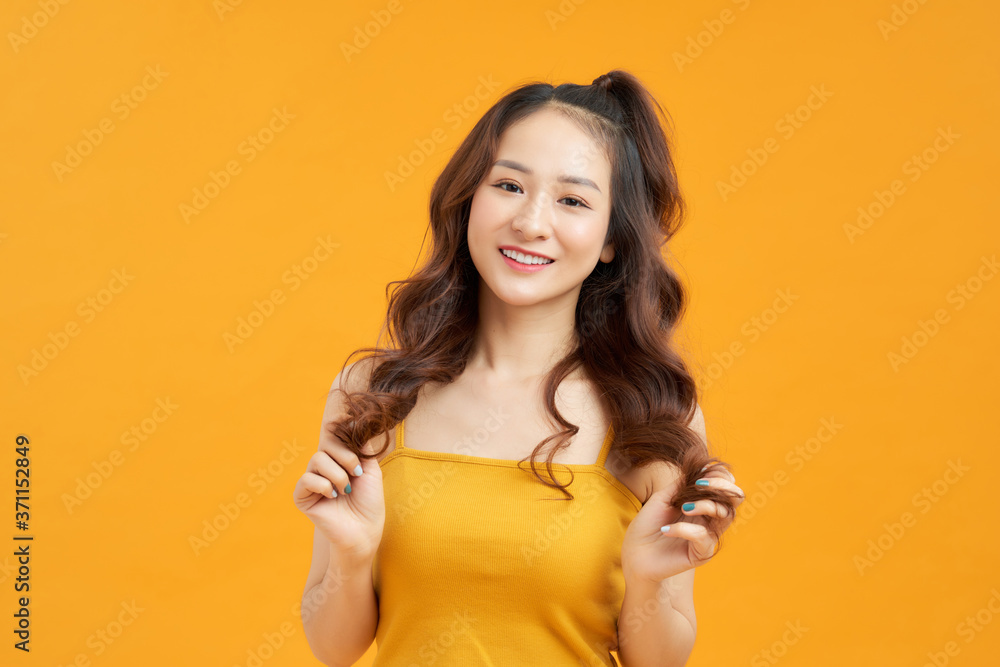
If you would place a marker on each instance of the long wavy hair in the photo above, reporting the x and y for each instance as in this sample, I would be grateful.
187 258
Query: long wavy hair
627 310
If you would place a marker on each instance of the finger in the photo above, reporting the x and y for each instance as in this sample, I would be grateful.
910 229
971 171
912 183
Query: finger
695 534
705 507
720 483
338 451
718 472
310 482
321 463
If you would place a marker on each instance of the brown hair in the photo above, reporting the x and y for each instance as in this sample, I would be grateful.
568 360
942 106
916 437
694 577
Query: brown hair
627 311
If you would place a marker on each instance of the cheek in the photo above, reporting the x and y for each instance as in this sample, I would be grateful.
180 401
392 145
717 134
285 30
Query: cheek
478 234
479 211
583 240
475 219
476 222
486 217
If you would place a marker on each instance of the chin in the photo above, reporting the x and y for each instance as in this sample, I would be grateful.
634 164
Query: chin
513 297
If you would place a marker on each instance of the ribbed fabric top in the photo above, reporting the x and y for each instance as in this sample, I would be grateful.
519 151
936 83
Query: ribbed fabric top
482 564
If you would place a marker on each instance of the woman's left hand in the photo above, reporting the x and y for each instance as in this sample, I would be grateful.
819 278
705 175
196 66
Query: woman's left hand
649 554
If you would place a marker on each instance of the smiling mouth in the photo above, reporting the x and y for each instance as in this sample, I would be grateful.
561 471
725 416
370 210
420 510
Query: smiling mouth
527 260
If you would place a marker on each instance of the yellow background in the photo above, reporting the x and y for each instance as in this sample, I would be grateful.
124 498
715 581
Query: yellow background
353 118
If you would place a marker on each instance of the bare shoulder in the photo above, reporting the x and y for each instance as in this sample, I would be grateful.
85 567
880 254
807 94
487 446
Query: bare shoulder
646 480
355 375
697 423
353 378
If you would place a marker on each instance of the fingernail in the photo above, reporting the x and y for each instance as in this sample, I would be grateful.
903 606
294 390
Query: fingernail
665 529
687 507
347 489
701 482
358 471
334 492
704 467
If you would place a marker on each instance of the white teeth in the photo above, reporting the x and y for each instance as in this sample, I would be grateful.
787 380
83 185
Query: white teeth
525 259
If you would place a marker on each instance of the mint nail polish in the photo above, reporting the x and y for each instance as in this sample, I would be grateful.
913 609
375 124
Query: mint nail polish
687 507
347 489
701 482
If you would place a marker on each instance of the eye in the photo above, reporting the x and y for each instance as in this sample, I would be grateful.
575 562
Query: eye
581 204
501 185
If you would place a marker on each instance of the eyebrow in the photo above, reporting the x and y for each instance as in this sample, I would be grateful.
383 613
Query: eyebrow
563 178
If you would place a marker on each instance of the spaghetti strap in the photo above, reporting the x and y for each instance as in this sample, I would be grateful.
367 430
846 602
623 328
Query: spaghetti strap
399 435
606 447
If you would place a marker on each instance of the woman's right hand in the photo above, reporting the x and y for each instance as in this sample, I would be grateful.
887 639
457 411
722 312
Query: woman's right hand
352 522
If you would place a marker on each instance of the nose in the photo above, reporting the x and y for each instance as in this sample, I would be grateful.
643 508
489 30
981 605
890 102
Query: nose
532 220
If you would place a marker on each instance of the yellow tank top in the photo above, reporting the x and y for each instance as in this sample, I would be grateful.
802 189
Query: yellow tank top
482 564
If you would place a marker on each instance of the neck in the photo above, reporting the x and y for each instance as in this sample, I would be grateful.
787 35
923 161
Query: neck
519 343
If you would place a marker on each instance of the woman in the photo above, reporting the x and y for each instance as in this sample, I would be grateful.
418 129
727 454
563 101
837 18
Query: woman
544 313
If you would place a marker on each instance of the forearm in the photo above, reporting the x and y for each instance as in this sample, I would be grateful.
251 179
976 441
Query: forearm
340 613
651 632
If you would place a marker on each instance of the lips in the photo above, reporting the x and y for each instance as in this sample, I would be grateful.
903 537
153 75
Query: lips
523 268
523 251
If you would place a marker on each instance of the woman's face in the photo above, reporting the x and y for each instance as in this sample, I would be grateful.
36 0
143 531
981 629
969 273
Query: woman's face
547 194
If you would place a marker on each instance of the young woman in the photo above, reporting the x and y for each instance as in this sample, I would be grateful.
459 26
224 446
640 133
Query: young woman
540 323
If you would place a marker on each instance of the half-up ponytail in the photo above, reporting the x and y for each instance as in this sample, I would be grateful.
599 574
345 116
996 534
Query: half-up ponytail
642 119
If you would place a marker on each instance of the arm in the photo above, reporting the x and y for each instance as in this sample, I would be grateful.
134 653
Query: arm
339 606
657 625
